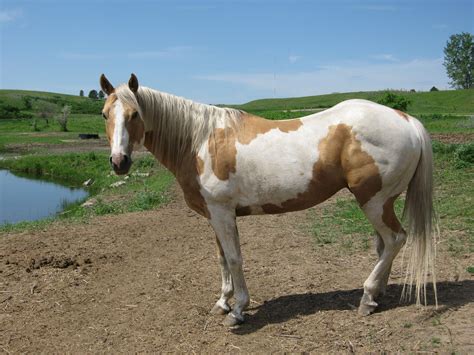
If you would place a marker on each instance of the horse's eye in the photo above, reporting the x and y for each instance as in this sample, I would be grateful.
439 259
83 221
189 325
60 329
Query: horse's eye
134 115
103 115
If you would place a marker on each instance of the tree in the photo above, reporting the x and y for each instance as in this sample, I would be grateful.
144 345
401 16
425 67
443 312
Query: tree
81 93
459 60
93 95
101 95
395 101
46 110
9 111
27 102
63 117
434 88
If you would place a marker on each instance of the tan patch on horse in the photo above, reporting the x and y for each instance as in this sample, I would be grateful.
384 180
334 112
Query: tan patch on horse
251 126
135 128
389 217
402 114
222 143
200 165
110 114
223 152
342 163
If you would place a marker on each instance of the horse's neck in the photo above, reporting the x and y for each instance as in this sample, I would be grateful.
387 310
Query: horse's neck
150 145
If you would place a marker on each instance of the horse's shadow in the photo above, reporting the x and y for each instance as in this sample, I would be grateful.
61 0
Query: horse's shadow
284 308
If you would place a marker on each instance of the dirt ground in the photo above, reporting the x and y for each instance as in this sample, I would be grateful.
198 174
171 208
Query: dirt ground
66 146
453 138
143 282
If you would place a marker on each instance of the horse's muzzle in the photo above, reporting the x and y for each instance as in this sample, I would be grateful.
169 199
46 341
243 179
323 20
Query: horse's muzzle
120 163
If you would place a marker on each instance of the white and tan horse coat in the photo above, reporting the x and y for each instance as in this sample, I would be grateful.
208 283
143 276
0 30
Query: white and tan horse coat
230 163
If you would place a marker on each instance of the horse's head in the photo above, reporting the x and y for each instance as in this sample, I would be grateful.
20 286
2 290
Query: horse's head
124 126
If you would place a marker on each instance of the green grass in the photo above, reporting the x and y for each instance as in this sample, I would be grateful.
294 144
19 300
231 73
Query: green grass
342 222
447 123
138 194
282 115
450 101
20 131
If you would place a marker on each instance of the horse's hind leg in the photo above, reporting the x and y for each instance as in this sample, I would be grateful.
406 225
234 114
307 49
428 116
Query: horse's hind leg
379 246
227 289
382 216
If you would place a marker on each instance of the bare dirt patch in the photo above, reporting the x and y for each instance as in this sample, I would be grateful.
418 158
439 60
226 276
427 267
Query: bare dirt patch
453 138
146 282
68 146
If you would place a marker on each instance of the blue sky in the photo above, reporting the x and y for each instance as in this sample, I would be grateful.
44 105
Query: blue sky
229 51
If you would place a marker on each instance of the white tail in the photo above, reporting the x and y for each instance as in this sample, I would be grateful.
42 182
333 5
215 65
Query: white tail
422 226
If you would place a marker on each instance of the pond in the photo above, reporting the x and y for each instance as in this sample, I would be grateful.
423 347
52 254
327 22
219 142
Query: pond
25 199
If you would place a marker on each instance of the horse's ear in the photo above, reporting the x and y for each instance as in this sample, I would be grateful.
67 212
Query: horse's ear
106 85
133 83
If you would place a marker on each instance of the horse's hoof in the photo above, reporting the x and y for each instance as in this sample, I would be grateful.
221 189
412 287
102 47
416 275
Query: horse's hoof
366 309
219 310
232 320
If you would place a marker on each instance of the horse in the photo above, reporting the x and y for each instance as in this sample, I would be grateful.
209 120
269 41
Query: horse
230 163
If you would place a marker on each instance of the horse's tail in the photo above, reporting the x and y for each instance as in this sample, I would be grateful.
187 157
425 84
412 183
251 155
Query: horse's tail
422 226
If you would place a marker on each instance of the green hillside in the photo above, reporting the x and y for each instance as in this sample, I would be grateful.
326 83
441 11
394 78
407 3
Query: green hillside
450 101
440 102
19 99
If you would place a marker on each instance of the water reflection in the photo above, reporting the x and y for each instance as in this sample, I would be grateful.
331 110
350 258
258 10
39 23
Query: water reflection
24 199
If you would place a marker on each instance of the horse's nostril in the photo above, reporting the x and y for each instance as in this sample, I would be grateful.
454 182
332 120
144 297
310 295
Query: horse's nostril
110 160
125 159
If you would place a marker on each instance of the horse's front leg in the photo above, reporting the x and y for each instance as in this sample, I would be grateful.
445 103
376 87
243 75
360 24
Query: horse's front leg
224 224
227 289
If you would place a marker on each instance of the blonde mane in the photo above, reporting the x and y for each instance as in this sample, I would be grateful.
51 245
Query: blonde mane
178 124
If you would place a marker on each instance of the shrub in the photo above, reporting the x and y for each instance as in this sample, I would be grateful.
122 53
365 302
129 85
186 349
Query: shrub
464 155
395 101
9 111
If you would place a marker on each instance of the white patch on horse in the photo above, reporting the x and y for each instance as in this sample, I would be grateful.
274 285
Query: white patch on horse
265 171
120 138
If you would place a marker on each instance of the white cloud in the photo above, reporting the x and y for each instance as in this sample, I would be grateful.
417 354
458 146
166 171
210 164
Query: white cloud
293 58
10 15
419 74
386 57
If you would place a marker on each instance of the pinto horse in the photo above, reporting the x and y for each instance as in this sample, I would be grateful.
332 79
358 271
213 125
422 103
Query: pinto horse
230 163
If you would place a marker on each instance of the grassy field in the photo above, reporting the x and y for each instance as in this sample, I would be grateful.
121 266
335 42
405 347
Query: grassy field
441 102
20 131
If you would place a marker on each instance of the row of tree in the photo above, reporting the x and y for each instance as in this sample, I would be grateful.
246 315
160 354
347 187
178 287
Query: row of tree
93 94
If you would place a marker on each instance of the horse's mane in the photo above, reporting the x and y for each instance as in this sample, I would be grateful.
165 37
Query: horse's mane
178 124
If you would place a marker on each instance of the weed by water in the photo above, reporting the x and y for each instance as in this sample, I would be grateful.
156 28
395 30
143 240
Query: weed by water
139 193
